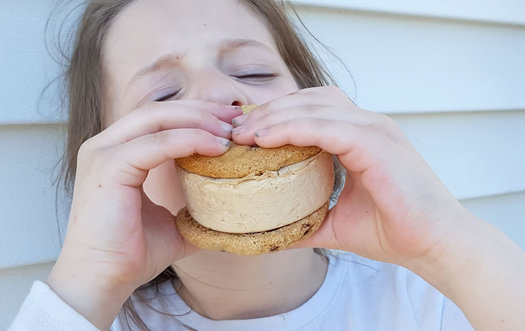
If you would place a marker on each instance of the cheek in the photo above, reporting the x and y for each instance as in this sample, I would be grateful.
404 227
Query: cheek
163 187
117 103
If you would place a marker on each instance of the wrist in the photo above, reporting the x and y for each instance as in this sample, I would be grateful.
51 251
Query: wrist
86 292
456 246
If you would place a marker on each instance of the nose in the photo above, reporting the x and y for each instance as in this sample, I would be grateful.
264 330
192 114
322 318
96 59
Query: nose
215 86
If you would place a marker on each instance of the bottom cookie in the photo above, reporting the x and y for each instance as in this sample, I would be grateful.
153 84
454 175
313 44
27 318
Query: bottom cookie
255 243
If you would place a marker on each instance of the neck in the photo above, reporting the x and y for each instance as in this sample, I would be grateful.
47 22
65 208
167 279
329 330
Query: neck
224 286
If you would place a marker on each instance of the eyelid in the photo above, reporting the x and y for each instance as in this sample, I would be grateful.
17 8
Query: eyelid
254 71
163 94
167 96
256 75
259 67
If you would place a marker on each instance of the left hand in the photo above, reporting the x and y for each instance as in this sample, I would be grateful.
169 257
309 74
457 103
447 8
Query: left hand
393 208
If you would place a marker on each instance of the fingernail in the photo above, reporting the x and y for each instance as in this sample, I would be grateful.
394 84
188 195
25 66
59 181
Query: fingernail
238 130
261 133
223 141
239 120
226 127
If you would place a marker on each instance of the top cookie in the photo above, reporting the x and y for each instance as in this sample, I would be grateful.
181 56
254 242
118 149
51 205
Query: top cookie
242 160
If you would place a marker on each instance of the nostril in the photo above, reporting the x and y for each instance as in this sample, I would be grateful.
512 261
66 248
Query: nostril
236 103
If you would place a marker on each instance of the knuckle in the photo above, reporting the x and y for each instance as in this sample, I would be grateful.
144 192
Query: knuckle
91 156
313 108
161 138
202 134
87 148
388 126
384 120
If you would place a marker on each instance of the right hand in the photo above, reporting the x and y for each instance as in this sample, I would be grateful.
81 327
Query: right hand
117 239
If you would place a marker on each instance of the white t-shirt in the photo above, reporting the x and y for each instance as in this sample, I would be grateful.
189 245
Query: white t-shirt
357 294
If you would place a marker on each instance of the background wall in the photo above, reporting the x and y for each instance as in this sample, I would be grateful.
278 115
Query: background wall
451 73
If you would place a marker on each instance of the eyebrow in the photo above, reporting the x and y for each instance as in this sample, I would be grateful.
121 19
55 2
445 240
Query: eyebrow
171 59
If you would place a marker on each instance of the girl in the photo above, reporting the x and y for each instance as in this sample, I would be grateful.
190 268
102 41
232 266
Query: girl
154 80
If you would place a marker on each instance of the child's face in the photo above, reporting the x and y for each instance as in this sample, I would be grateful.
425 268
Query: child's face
213 50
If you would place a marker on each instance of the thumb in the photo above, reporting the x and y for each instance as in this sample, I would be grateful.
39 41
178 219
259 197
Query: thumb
324 237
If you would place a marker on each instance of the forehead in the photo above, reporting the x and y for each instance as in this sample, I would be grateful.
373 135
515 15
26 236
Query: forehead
149 28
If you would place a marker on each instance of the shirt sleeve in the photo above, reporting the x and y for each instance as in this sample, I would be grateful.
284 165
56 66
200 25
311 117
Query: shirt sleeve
44 310
453 317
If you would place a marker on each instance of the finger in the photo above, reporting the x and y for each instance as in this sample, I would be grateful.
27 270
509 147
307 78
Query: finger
318 96
324 237
244 134
223 112
159 228
324 133
324 95
161 232
157 117
356 146
134 158
226 113
330 236
343 228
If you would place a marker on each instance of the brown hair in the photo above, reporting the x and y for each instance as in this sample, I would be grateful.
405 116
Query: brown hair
85 79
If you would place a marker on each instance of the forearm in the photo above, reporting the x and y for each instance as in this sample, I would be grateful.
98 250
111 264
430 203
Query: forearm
483 272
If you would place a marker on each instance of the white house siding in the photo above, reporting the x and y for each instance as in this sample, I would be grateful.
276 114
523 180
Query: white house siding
451 73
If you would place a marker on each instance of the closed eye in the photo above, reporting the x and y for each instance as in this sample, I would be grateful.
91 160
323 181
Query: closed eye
167 97
257 76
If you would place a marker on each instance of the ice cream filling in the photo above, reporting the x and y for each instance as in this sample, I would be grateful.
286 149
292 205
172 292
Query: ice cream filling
259 202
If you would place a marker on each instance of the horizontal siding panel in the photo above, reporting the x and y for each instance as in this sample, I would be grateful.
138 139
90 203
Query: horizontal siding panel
504 11
504 211
28 218
421 65
474 154
25 65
